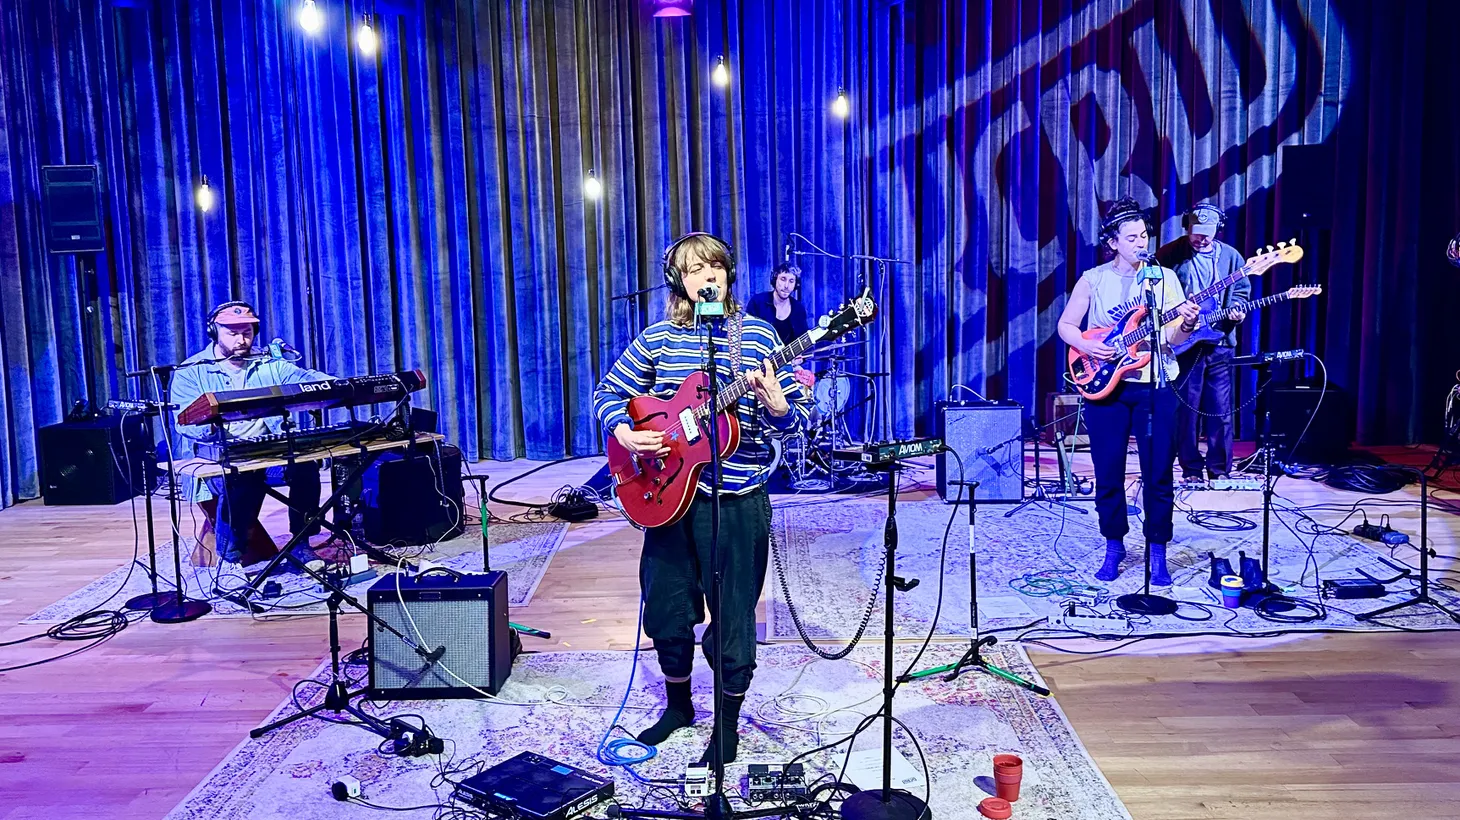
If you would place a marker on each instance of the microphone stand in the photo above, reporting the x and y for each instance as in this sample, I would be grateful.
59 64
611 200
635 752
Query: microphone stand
179 607
1144 602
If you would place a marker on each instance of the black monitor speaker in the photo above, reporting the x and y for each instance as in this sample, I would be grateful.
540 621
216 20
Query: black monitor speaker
71 201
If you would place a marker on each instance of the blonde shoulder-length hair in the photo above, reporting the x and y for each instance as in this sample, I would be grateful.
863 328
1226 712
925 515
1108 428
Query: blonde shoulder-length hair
680 310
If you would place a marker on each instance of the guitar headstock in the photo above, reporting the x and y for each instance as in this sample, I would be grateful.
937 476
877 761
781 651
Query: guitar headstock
1304 291
847 317
1274 255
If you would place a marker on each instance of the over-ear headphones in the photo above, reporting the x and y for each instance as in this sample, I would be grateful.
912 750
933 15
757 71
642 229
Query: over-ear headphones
212 327
674 278
1204 214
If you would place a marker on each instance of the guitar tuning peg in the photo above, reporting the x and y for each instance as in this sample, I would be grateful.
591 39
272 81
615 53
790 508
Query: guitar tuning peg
1269 249
1282 244
1292 241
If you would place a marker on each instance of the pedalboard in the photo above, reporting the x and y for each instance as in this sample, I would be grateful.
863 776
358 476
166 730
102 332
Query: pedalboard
1351 588
1094 624
773 781
1381 533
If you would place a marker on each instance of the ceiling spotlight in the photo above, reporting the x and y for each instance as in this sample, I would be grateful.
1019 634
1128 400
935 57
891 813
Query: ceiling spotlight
841 107
670 8
592 188
309 17
365 37
720 76
204 196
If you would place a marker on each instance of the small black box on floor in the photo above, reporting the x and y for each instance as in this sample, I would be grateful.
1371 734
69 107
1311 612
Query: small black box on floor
462 616
534 787
412 497
1295 408
96 461
988 437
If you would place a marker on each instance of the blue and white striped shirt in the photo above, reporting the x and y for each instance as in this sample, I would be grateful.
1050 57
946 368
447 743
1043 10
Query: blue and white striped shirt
665 354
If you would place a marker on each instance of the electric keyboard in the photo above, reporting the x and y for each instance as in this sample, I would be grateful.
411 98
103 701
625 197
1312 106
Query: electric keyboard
280 400
278 445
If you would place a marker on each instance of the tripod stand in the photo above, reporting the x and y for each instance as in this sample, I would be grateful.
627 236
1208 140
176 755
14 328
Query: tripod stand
1041 495
1423 596
409 740
973 659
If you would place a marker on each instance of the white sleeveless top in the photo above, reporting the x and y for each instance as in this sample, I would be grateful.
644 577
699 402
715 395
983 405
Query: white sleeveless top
1113 296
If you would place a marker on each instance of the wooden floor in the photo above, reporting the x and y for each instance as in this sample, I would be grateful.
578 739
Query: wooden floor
1351 726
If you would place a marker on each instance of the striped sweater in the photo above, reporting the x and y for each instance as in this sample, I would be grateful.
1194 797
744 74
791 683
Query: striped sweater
665 354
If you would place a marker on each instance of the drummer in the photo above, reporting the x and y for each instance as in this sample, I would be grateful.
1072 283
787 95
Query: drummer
784 311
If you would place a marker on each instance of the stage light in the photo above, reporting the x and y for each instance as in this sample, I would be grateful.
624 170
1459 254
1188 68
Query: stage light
204 196
309 17
670 8
721 75
365 37
841 107
592 188
1453 252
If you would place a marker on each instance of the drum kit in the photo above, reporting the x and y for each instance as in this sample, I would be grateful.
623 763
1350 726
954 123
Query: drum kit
807 454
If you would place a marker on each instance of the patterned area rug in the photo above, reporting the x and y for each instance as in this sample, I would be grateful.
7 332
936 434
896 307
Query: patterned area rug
1031 564
524 550
960 726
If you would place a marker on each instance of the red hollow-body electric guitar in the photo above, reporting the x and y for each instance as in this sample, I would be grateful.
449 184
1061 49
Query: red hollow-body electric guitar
658 491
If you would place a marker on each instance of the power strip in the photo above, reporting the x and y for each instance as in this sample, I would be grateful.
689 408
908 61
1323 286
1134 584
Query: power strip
1382 534
1094 624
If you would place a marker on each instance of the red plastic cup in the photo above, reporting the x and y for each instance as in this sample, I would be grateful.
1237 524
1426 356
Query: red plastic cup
1008 774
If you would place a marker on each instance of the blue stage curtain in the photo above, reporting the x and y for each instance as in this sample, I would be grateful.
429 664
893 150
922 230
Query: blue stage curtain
424 207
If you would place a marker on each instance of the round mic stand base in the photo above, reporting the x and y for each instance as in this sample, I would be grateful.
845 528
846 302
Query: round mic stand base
176 611
1144 603
874 804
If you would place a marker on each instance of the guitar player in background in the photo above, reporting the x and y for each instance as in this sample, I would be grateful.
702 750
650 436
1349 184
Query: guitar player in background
231 362
674 569
1103 297
1205 387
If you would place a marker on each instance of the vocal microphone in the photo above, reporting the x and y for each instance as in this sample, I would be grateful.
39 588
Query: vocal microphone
787 254
710 293
280 349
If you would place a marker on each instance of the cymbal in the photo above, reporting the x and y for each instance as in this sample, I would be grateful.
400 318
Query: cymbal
838 346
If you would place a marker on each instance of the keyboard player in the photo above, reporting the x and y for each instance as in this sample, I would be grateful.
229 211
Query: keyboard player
232 362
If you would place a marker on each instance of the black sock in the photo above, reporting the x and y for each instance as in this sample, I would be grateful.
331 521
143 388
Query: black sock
678 714
726 734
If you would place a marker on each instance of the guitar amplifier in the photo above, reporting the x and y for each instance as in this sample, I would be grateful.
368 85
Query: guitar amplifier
463 616
988 437
97 461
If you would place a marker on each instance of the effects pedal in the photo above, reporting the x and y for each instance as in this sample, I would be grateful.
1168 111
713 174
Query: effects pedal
1351 588
573 506
773 781
697 780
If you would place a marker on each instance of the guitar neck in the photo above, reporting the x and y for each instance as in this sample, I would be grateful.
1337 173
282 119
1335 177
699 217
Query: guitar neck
734 391
1256 304
1219 285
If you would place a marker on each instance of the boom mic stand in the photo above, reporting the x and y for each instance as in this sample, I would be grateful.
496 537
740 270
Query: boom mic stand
1423 596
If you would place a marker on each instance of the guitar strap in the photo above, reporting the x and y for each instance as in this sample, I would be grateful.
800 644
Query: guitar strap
735 351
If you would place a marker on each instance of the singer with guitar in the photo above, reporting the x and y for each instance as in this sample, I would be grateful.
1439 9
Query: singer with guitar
231 362
675 574
1205 386
1114 295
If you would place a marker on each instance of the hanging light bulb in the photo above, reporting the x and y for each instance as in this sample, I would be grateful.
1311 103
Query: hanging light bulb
721 75
841 107
592 188
309 17
204 196
365 37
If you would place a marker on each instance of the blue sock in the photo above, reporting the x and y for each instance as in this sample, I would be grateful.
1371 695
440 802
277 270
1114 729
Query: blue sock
1160 577
1114 554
